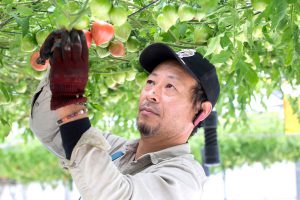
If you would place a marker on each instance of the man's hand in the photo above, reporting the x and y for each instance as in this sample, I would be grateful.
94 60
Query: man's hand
68 56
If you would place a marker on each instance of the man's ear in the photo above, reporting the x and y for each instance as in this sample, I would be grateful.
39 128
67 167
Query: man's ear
206 108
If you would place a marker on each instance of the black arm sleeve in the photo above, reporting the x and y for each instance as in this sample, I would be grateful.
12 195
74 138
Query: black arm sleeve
71 133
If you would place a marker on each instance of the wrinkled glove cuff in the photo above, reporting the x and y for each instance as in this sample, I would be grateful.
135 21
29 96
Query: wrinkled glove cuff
61 101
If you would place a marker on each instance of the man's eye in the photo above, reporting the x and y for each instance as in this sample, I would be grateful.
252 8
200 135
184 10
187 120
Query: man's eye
150 82
169 86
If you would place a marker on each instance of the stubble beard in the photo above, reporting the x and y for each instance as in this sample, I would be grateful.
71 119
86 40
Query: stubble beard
146 130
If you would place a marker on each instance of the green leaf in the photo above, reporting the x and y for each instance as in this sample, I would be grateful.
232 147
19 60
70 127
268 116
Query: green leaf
168 37
5 92
265 14
296 36
252 77
5 122
289 53
97 107
266 33
24 23
212 45
222 57
182 28
225 41
279 11
24 10
255 58
138 2
248 73
7 1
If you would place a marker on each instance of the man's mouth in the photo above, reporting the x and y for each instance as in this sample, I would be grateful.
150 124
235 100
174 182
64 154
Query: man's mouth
148 110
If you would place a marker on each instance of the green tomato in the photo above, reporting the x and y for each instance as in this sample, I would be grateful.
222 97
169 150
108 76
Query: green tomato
110 83
202 34
119 78
82 23
28 43
41 35
140 79
199 15
163 23
260 5
130 75
115 98
102 90
209 5
61 21
170 13
122 32
132 44
104 45
100 9
38 75
118 15
186 13
74 7
102 52
21 87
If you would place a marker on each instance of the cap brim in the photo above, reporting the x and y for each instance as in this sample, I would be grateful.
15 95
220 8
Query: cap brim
155 54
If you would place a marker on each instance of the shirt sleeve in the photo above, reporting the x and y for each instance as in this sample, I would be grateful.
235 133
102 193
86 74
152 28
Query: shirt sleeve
96 176
43 122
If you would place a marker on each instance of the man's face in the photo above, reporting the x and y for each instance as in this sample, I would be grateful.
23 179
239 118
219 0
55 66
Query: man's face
165 105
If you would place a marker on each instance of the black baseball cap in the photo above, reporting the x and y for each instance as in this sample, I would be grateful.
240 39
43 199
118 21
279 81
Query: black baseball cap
198 66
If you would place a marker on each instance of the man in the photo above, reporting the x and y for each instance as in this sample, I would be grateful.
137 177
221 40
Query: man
179 93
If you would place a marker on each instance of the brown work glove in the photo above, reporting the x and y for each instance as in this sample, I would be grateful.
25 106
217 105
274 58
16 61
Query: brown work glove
68 57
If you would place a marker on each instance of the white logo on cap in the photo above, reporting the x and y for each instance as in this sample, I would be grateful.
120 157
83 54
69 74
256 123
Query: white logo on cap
186 53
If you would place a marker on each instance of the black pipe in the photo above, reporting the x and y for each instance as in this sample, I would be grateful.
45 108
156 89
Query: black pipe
211 149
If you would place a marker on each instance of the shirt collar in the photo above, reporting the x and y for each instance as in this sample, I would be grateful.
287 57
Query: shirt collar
163 154
170 152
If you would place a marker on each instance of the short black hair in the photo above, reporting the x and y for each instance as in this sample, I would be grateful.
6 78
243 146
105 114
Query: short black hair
198 95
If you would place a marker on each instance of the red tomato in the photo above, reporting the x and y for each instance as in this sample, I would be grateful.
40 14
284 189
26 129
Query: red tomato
117 49
36 66
102 32
88 37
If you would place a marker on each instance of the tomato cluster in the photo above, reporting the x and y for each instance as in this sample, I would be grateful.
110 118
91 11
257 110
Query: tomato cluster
109 29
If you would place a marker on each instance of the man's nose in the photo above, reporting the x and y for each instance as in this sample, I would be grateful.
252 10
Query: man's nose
153 95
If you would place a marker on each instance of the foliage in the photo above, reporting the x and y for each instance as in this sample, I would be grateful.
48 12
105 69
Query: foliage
31 162
237 151
263 141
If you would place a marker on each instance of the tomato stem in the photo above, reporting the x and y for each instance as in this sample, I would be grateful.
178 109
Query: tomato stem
131 4
110 73
173 35
6 22
79 14
143 8
180 46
